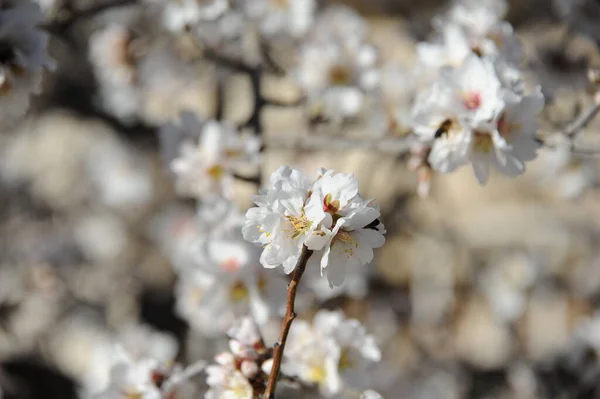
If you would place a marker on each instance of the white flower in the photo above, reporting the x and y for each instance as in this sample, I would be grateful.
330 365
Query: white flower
285 220
238 371
565 172
313 358
179 15
205 169
226 281
23 57
370 394
337 71
147 378
478 17
342 24
291 17
347 225
452 50
332 352
114 63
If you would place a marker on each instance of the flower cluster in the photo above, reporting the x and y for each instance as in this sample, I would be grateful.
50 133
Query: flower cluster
242 372
337 67
23 56
224 280
142 366
475 109
327 215
332 352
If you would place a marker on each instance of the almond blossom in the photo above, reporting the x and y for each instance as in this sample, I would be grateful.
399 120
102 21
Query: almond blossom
286 218
327 214
287 17
332 352
226 281
205 168
23 57
240 373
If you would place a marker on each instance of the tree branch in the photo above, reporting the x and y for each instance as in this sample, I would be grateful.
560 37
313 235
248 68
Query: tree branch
290 315
72 15
582 120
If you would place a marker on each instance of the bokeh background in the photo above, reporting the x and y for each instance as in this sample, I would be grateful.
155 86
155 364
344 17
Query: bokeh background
479 292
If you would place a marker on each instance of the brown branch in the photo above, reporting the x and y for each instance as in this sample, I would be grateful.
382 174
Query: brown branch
290 315
582 120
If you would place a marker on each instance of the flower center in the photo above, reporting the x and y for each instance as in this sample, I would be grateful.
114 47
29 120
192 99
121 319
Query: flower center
339 75
318 374
238 292
472 100
330 206
349 244
482 141
298 225
216 172
346 361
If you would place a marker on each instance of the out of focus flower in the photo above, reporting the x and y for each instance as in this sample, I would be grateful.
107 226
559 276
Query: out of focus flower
113 58
566 173
148 378
332 352
23 57
238 372
181 15
205 169
227 282
336 78
370 394
287 17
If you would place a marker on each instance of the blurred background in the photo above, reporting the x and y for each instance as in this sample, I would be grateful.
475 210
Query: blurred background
479 292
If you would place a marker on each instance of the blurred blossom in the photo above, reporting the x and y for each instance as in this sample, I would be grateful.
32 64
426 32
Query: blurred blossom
370 394
120 176
114 62
505 285
332 352
227 281
102 236
287 17
337 78
23 58
205 168
565 173
242 372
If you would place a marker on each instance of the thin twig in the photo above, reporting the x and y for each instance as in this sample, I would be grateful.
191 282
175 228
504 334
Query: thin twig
395 146
582 120
290 315
248 179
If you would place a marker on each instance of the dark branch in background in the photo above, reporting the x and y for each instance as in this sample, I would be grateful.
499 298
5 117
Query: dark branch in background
582 120
68 15
248 179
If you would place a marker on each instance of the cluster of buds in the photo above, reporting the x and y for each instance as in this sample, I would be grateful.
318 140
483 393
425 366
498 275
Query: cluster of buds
242 372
